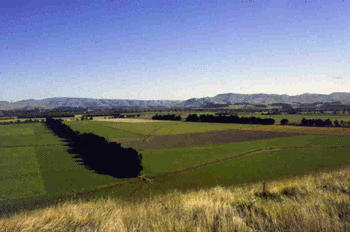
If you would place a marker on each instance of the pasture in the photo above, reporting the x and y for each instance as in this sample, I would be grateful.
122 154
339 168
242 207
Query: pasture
36 165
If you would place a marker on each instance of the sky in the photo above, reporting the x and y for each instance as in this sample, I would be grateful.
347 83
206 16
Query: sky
172 49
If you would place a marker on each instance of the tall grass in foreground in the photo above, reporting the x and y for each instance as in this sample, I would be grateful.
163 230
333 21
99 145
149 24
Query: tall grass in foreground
317 202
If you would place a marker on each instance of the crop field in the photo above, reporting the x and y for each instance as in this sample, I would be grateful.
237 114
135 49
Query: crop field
35 164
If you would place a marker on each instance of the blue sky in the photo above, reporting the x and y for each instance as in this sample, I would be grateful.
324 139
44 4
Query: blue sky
172 49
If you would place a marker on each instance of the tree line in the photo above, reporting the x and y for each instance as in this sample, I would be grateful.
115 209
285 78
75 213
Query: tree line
323 123
229 119
172 117
317 123
96 153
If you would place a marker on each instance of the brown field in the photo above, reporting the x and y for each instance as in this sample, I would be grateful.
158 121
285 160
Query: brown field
197 139
302 130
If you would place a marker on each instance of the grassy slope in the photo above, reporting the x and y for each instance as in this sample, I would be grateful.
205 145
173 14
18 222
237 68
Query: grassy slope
318 202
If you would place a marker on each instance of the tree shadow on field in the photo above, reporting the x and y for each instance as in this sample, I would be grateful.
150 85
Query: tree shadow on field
96 153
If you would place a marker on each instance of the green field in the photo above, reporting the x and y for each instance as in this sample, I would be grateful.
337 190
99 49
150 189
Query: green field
162 161
255 167
123 129
35 164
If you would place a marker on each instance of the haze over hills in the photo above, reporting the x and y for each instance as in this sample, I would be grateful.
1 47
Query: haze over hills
220 99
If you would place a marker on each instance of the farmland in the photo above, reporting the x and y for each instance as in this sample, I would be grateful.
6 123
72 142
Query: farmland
35 164
38 165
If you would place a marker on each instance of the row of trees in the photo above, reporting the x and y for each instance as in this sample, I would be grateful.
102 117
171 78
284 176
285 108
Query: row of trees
96 153
172 117
318 123
324 123
229 119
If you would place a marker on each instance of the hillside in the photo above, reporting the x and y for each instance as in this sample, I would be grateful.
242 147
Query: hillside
233 98
218 100
316 202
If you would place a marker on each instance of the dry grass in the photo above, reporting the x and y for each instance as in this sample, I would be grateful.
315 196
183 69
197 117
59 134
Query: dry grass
311 203
302 130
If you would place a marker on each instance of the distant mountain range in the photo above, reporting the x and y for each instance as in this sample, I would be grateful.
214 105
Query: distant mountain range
218 100
268 99
49 103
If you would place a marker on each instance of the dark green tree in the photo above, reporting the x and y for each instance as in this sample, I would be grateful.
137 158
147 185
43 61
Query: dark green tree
284 121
